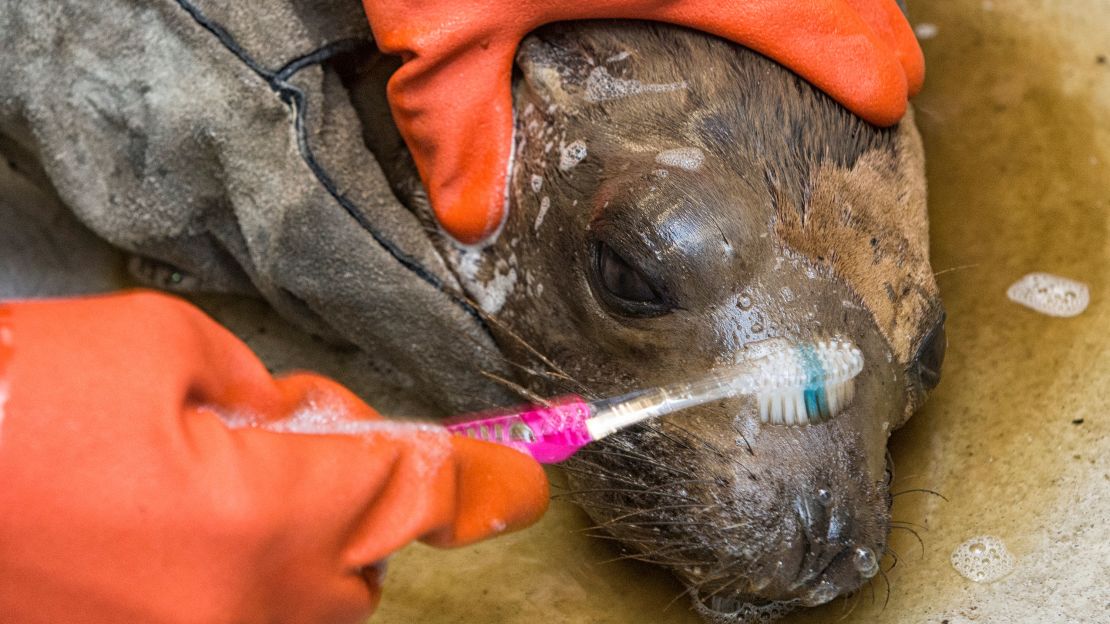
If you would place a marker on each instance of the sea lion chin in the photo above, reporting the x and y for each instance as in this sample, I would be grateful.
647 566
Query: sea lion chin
677 203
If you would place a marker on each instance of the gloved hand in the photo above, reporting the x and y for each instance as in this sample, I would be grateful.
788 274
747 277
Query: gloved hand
151 470
452 101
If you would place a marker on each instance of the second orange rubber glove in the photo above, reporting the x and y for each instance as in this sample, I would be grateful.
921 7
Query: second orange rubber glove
151 470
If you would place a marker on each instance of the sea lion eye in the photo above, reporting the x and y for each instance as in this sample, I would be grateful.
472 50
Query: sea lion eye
623 287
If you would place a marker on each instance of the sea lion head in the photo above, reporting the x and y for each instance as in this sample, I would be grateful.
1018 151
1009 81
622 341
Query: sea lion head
679 203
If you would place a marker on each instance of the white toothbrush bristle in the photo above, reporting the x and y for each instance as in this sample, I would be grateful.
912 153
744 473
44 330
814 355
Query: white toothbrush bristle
799 411
808 384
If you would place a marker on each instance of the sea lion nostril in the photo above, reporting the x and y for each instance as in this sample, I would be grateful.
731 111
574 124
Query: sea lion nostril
930 357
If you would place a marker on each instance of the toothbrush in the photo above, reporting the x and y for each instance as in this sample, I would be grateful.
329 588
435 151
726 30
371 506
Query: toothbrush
799 385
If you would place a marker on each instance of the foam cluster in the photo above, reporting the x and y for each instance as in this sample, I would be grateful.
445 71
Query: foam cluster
1050 294
721 610
982 559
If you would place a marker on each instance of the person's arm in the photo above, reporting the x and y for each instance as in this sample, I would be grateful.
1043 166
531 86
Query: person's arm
151 470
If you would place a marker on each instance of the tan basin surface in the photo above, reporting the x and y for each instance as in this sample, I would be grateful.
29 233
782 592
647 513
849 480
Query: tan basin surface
1016 121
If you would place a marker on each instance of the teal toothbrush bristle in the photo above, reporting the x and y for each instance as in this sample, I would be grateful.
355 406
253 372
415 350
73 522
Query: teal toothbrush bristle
816 400
808 384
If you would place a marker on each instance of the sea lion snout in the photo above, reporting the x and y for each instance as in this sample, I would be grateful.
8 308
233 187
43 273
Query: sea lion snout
829 519
827 554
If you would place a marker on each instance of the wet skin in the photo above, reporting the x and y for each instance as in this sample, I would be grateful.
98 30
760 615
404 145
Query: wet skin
781 218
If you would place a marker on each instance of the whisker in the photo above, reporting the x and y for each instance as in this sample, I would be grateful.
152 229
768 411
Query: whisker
908 523
659 523
493 320
908 477
721 588
656 427
653 557
748 444
599 505
848 600
658 509
527 394
689 589
601 471
914 533
955 268
571 493
886 580
701 440
893 555
556 375
643 541
924 491
660 491
608 451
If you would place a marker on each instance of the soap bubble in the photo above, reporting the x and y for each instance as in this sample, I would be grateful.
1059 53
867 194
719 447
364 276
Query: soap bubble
1050 294
824 497
926 30
865 562
688 158
572 154
982 559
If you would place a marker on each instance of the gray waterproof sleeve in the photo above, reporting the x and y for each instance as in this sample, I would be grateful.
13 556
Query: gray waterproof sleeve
216 137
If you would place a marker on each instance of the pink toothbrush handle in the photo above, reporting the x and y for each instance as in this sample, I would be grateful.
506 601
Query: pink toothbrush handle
549 434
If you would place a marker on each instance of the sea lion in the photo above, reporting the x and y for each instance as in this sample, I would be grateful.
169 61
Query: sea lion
677 203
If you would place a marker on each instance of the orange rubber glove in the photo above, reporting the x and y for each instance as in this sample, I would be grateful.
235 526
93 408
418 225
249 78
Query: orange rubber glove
452 102
125 497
